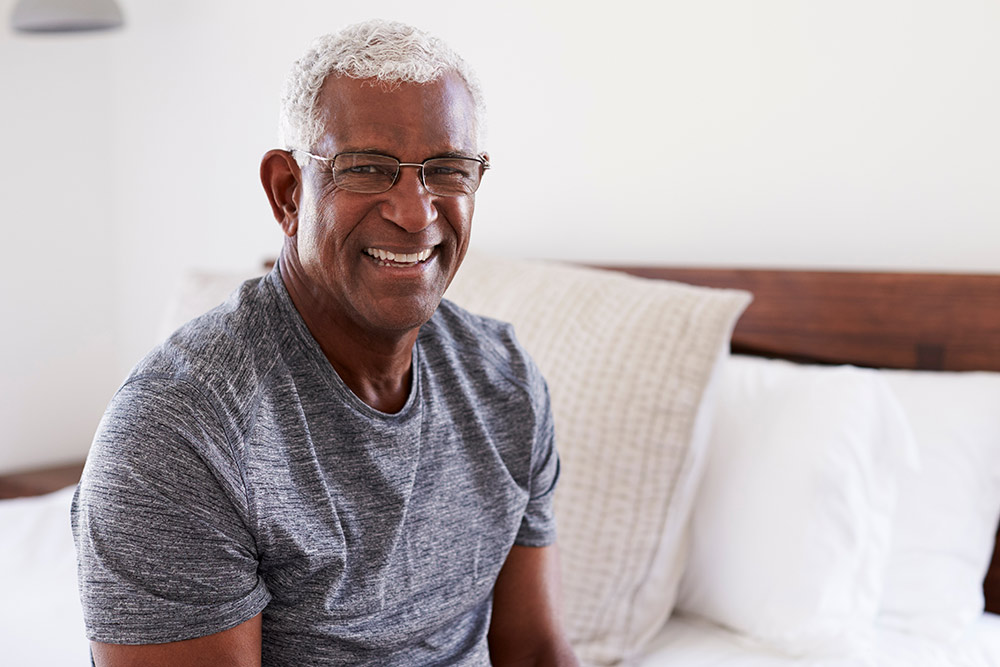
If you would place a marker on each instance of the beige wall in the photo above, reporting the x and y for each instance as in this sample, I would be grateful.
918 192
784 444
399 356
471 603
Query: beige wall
782 133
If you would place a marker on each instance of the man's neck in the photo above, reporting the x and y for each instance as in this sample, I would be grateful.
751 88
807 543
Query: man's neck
376 366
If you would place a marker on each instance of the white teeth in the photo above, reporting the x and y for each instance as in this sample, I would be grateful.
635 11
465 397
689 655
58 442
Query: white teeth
399 257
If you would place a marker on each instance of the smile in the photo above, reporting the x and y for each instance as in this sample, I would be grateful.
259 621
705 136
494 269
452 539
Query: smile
389 258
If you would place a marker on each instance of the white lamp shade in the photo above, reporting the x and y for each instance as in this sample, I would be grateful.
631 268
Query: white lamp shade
65 15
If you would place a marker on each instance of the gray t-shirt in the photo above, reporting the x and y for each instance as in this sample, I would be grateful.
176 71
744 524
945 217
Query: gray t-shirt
235 473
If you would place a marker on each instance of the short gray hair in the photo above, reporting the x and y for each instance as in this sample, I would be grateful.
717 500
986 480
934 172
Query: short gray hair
386 51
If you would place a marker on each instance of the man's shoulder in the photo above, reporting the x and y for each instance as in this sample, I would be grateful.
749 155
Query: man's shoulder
472 333
471 341
230 339
449 314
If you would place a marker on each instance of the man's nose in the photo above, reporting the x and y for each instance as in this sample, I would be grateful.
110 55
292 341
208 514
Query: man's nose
408 203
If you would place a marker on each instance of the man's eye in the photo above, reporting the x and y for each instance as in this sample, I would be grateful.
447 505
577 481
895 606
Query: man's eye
446 170
367 170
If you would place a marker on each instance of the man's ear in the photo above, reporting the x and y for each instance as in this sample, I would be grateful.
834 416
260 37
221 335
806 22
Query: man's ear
282 180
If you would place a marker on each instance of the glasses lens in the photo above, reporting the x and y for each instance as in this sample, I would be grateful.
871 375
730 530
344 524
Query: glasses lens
452 177
359 172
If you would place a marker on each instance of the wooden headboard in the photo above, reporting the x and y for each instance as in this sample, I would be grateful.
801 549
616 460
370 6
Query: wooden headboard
889 320
884 320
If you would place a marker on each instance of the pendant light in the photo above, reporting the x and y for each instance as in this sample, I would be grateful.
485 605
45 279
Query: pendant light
65 15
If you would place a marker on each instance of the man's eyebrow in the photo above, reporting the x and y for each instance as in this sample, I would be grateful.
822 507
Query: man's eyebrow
367 151
379 151
456 154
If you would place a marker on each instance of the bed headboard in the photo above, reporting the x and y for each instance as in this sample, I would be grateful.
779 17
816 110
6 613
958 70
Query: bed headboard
890 320
37 482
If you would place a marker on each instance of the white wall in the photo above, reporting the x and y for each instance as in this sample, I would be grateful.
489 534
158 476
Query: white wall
57 339
851 134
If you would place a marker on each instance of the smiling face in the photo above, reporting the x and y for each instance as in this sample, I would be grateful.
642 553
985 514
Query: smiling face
343 243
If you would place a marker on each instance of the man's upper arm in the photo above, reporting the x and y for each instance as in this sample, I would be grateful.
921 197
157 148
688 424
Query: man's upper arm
163 549
236 647
526 626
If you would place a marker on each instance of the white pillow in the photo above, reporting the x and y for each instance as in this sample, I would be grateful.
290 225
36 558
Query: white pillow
790 532
628 362
946 523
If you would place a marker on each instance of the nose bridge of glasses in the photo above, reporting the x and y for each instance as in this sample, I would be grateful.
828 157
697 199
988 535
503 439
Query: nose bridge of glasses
418 165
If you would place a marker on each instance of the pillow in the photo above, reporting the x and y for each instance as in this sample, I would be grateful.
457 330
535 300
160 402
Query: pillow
628 362
791 527
946 524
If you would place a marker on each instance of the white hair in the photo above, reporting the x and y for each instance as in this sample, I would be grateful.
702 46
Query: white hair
386 51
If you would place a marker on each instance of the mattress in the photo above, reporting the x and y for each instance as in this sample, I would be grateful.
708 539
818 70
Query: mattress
695 643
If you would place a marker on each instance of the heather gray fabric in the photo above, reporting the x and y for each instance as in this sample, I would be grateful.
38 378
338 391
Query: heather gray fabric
235 473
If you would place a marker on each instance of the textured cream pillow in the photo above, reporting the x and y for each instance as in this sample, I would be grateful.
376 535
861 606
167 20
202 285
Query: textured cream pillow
628 362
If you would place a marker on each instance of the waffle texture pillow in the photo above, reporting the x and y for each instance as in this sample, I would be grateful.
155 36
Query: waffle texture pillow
628 362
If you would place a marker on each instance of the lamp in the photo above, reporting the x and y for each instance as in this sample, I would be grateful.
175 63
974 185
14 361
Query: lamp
65 15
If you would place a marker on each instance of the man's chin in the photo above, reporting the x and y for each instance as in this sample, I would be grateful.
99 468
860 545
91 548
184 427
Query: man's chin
403 316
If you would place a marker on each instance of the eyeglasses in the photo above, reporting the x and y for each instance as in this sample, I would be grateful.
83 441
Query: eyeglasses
370 173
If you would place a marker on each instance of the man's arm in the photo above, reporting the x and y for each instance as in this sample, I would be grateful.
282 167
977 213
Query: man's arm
526 627
236 647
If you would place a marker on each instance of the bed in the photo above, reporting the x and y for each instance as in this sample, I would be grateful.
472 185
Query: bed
646 583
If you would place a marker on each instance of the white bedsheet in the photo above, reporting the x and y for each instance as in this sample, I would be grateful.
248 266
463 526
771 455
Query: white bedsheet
695 643
41 622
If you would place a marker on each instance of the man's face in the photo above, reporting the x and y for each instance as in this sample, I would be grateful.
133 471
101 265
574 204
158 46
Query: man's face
341 234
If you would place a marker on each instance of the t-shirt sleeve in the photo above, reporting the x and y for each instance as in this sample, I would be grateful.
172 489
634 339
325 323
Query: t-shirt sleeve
538 526
160 522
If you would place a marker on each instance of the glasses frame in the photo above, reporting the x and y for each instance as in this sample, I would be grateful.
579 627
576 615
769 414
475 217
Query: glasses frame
481 160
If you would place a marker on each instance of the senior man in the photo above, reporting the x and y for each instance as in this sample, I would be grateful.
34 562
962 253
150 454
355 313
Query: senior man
336 466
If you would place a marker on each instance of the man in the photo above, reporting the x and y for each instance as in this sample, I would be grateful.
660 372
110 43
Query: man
335 466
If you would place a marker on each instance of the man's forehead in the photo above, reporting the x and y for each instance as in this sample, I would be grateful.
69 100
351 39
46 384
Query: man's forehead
370 115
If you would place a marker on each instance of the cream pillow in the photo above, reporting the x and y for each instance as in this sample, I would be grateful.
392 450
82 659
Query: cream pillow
628 362
792 523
